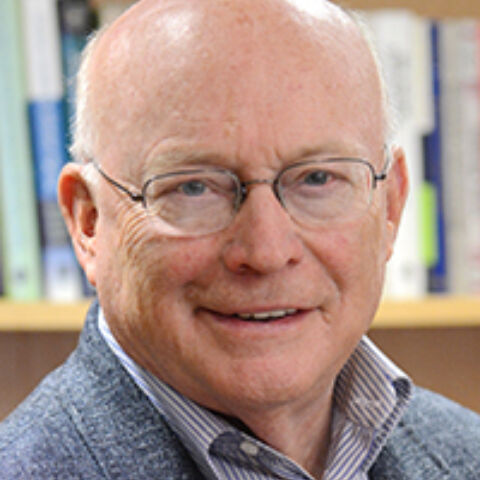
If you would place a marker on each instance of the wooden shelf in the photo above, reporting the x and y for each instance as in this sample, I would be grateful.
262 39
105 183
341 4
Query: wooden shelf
432 8
432 312
42 316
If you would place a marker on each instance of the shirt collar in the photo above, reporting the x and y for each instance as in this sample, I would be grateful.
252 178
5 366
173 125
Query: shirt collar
370 396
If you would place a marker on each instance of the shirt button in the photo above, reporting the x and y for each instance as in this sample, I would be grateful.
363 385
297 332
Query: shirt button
249 448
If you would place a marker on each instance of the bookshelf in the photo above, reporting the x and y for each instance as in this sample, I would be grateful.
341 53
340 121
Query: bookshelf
435 339
435 311
431 312
433 8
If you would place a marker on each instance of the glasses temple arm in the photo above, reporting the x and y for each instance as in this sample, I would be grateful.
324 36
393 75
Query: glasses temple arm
136 197
382 175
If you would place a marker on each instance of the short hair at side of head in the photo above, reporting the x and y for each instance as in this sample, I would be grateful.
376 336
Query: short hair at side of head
388 111
83 125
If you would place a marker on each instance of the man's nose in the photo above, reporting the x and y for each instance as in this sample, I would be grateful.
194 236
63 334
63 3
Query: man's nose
264 237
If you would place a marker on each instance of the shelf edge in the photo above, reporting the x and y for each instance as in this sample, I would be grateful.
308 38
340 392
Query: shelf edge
431 312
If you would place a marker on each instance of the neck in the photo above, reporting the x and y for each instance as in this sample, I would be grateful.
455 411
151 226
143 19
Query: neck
302 434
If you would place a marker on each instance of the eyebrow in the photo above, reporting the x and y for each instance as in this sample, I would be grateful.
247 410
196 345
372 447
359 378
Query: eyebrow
337 149
181 157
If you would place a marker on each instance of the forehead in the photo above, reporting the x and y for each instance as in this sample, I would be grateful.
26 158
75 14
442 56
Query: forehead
237 80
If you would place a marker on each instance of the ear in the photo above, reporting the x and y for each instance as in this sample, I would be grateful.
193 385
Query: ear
397 190
80 213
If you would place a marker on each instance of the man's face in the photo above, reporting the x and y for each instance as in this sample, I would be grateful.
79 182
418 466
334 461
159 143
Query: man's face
174 303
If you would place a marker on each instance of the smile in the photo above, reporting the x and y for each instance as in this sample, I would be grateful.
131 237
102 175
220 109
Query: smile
266 316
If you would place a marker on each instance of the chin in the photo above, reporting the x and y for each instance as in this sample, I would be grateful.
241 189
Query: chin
268 388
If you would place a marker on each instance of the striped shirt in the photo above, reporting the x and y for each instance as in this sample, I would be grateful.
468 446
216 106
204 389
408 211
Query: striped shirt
370 395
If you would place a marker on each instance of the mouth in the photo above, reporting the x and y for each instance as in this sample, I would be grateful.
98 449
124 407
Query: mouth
266 316
260 316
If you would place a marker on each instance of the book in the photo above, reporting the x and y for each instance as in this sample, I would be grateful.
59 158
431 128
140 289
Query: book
61 273
21 247
459 50
77 21
2 290
401 39
109 10
437 270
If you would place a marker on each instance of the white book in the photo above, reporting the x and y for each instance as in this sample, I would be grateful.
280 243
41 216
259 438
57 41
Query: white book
460 70
21 265
402 42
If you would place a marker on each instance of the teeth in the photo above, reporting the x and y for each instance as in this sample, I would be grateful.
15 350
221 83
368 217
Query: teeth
267 315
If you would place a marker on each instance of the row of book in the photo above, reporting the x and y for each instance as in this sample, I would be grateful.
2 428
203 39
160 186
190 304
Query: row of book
432 70
40 48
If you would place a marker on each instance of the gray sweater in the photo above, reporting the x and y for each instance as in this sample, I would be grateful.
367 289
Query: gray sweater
89 420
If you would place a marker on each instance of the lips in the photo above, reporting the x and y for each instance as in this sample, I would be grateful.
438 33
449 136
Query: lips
258 316
266 316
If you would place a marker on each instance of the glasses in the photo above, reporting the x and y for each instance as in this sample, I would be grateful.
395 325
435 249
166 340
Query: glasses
198 201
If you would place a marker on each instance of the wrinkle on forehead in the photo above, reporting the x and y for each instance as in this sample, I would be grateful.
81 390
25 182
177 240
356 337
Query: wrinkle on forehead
165 57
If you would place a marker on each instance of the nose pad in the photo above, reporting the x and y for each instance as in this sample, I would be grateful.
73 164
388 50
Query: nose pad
264 238
244 190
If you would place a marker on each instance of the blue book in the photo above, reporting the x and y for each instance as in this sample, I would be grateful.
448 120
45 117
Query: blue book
77 21
437 271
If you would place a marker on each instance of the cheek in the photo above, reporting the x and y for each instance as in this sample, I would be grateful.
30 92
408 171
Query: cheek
158 264
370 249
150 276
186 261
354 257
368 256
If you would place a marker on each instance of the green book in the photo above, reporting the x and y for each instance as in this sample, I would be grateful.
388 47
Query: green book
19 229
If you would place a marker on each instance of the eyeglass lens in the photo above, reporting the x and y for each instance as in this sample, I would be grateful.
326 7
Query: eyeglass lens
204 201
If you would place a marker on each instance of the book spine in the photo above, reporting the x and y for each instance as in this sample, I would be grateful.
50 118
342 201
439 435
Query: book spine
61 273
470 101
21 264
403 63
437 272
109 10
452 156
460 122
2 288
77 21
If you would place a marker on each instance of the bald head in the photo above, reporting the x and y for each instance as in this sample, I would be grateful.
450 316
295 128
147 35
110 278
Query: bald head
161 58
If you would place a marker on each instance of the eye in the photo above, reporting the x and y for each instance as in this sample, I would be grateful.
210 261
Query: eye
317 177
193 188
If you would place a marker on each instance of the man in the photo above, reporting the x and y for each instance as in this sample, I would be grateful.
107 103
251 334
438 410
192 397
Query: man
234 203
